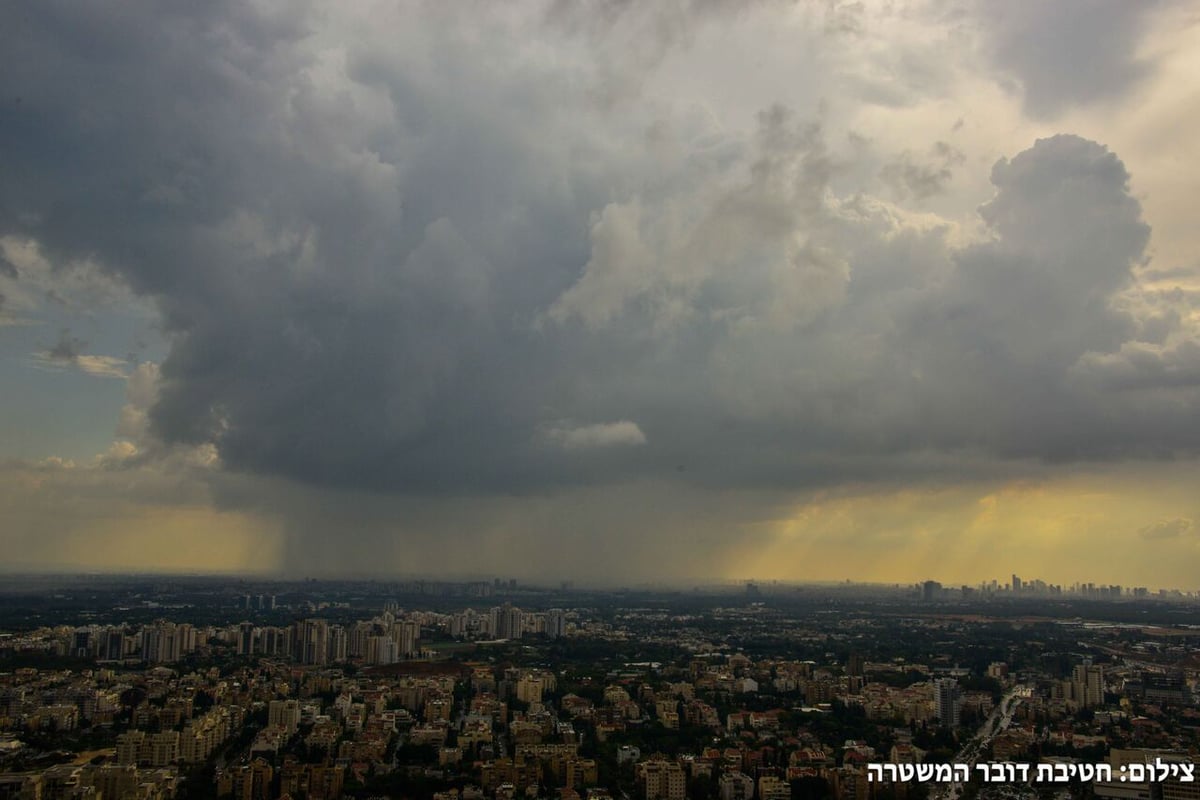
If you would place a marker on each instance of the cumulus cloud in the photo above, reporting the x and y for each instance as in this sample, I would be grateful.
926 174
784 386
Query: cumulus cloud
741 242
605 434
141 392
1144 366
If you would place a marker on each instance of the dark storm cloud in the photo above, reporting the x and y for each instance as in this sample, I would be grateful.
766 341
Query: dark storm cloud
330 317
1067 53
429 262
998 339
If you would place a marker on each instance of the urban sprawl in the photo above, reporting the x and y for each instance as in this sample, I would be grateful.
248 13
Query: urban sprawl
150 688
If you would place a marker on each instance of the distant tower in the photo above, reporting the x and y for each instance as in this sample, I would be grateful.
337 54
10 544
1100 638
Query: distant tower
556 623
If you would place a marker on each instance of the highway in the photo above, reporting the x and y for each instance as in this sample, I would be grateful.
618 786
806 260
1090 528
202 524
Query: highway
999 720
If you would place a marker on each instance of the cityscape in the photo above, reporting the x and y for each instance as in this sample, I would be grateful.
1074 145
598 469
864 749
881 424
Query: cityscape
179 687
599 400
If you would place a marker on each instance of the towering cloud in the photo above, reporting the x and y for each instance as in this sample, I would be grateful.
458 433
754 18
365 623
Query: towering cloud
437 252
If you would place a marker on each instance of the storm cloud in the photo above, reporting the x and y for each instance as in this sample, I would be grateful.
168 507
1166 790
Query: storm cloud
1068 53
448 251
392 269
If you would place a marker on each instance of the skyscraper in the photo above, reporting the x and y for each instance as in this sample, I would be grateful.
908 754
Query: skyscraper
948 697
556 623
245 642
312 641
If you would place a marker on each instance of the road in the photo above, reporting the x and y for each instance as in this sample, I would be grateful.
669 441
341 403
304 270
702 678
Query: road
999 720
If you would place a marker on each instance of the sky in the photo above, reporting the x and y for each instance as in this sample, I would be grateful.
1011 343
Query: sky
613 292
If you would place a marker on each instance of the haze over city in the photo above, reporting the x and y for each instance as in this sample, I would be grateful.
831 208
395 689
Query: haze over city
616 292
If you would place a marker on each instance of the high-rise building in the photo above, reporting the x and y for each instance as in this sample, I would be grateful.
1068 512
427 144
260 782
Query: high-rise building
164 748
356 642
855 665
275 641
284 714
245 640
382 650
185 636
338 643
165 642
1087 686
114 645
311 638
529 689
508 622
81 643
556 623
129 746
407 634
948 697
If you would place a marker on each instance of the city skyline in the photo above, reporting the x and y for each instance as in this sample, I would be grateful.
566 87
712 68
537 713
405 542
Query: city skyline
746 586
614 293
